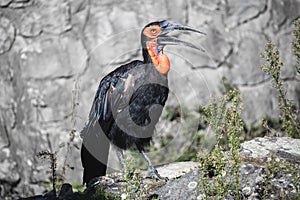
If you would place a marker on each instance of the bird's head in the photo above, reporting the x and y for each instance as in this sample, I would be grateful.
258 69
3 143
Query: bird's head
154 38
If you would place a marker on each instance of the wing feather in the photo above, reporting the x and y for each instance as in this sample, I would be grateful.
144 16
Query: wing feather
112 96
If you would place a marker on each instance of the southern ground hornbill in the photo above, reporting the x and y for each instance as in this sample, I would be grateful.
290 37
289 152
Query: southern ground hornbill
129 102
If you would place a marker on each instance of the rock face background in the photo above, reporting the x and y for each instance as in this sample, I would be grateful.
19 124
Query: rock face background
54 53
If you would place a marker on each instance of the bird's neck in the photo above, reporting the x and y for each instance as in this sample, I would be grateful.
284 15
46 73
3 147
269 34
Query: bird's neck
147 57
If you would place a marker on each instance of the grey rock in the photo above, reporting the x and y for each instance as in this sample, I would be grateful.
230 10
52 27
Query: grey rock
17 4
177 10
150 11
177 169
246 169
198 84
30 24
282 12
292 89
239 12
4 3
247 191
252 178
8 166
9 176
245 58
55 16
7 34
77 5
254 97
7 102
186 181
53 57
202 14
4 140
285 47
281 147
259 180
192 185
99 41
178 188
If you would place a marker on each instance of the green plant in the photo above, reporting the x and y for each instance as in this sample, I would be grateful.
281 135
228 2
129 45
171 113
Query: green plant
227 86
172 113
95 193
213 166
73 131
214 115
268 126
288 115
201 142
132 182
103 195
269 172
52 158
234 129
274 166
296 42
292 169
224 117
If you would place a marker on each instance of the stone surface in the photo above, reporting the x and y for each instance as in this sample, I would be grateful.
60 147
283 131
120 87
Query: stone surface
20 3
7 34
30 24
186 181
245 59
55 16
254 100
53 57
5 2
175 170
54 53
239 12
284 148
252 177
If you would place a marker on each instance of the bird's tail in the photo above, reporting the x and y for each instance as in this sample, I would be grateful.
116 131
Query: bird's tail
94 153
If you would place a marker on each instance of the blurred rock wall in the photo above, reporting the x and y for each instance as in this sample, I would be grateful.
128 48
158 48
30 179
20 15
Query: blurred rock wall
54 53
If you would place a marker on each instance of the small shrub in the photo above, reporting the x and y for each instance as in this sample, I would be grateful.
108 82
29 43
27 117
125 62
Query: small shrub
296 43
224 117
53 164
288 113
275 166
132 182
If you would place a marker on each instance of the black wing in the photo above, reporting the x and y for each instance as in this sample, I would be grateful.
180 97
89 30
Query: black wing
113 95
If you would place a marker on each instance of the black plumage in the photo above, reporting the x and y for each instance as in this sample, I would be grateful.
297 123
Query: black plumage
129 102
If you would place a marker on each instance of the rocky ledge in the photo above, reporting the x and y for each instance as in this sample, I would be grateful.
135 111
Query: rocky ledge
268 168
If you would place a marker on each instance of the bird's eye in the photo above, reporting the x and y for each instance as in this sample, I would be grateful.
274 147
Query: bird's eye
153 31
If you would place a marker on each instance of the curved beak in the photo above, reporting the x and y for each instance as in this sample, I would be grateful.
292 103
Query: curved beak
167 40
168 27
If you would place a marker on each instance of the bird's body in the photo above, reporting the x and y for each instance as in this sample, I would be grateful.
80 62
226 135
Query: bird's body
134 88
127 106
